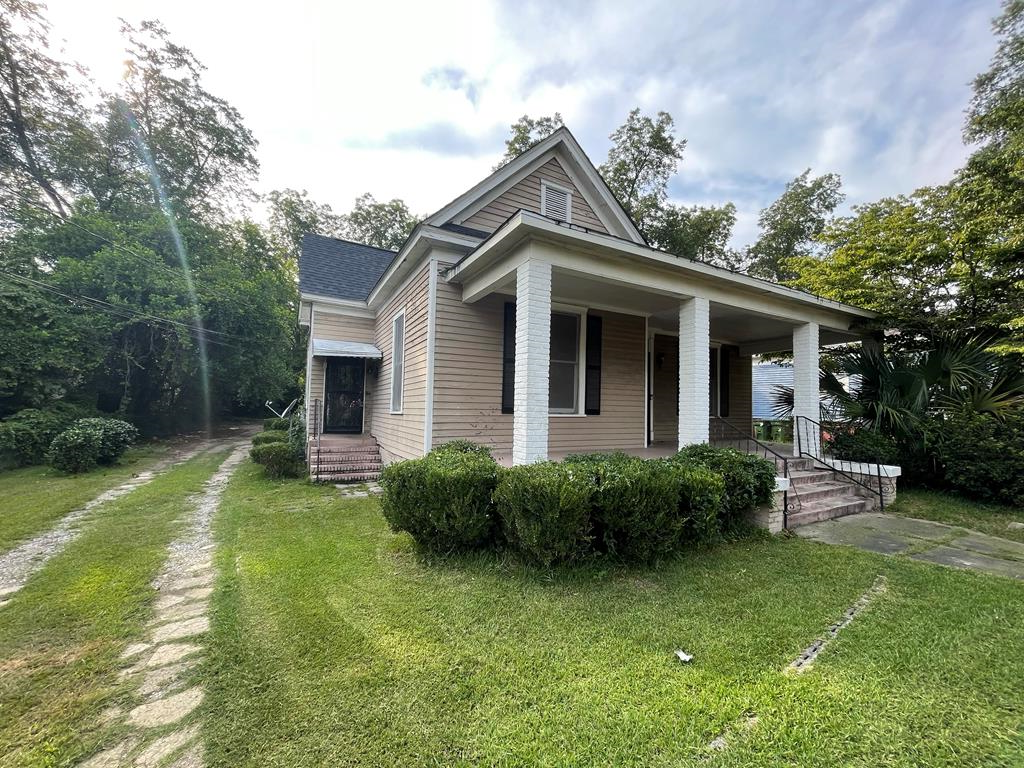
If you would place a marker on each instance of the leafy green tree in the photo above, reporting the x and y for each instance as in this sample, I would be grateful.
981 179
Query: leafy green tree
527 131
383 225
293 214
643 157
790 225
698 232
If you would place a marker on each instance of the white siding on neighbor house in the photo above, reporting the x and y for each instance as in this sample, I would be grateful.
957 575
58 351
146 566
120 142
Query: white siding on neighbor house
525 195
467 380
401 435
333 327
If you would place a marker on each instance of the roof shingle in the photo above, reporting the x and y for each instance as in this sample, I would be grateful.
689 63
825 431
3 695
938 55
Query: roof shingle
340 269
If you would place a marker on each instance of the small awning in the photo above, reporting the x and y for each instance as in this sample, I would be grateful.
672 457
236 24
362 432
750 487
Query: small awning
327 348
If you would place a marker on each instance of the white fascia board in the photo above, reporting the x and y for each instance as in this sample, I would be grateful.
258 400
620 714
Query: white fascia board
716 283
418 244
337 306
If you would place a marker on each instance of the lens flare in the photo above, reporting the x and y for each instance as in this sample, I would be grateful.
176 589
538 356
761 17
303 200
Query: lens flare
179 246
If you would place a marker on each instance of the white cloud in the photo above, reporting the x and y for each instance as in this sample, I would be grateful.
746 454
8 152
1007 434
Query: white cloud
412 100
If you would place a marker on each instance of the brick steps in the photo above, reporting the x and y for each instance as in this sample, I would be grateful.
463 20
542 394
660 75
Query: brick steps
351 461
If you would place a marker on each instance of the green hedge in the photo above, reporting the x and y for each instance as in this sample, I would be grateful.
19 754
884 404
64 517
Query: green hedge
863 445
443 500
26 436
275 424
748 483
270 436
545 510
463 446
277 459
89 442
982 456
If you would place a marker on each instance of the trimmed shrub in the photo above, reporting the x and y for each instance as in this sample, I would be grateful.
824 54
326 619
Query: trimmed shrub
297 436
701 502
865 445
982 456
89 442
443 500
270 436
463 446
26 436
277 460
275 424
748 481
545 510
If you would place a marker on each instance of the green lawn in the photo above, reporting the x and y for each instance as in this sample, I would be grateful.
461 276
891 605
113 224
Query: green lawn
956 510
34 498
61 636
335 644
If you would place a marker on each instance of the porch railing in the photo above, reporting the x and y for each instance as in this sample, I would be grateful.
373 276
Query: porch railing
315 448
810 442
750 444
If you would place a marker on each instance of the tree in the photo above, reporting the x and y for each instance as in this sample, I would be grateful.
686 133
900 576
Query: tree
700 233
527 131
643 156
383 225
293 214
790 225
39 106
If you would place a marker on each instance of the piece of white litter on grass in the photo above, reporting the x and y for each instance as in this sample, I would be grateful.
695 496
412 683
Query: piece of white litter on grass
684 657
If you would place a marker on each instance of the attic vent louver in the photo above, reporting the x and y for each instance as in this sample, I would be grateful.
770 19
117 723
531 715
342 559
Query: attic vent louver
555 202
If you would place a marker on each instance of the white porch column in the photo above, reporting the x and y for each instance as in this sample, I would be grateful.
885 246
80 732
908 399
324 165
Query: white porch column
533 360
694 370
806 389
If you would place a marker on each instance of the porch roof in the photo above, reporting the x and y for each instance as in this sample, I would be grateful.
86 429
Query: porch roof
329 348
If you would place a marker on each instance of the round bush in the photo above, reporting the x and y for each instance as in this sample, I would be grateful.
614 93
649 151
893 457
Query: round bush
89 442
748 481
275 423
277 460
443 500
26 436
545 510
270 436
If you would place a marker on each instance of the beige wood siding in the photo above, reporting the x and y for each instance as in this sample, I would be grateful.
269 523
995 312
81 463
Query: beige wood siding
401 435
467 380
526 195
333 327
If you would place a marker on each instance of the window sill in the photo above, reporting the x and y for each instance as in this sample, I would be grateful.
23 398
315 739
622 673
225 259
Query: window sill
567 415
395 413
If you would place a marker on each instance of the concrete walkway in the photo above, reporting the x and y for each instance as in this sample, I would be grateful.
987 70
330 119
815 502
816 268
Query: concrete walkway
922 540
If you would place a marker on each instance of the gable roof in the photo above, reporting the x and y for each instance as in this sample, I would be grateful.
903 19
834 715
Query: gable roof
340 269
563 145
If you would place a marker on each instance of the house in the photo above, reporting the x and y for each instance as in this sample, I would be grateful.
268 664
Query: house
530 315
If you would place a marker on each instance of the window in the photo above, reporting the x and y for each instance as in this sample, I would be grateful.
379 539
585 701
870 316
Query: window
565 363
555 202
397 361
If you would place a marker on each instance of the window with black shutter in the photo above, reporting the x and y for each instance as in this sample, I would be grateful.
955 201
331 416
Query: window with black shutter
724 356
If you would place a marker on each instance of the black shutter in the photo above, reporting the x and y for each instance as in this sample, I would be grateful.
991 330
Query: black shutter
724 355
508 359
592 389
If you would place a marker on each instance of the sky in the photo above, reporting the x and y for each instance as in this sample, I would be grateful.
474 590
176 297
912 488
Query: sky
414 100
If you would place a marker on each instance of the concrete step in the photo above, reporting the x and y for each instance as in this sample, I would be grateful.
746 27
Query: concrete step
810 492
328 468
827 509
362 457
810 476
347 477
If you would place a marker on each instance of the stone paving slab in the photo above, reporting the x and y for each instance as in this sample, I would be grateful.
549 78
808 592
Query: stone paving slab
924 540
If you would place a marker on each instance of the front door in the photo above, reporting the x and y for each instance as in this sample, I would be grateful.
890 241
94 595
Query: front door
343 394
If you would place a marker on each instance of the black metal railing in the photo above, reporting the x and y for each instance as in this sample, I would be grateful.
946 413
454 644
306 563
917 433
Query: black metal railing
316 441
750 444
810 443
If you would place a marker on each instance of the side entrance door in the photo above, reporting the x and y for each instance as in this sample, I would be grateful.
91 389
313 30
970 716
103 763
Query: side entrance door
343 394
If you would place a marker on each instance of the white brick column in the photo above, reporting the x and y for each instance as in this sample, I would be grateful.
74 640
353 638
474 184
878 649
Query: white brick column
533 361
806 388
694 371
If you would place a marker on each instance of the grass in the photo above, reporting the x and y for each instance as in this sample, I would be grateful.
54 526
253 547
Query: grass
955 510
36 497
61 636
334 643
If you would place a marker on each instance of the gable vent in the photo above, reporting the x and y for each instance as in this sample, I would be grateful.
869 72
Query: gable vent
555 202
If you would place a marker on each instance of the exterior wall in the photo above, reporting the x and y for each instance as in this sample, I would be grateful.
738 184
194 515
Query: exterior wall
741 407
401 435
333 327
467 380
526 195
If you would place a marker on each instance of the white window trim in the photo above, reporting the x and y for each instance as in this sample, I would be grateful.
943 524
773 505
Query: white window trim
544 185
581 363
391 381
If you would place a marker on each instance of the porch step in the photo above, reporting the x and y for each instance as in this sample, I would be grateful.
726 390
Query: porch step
345 460
348 477
827 509
812 492
802 477
327 467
